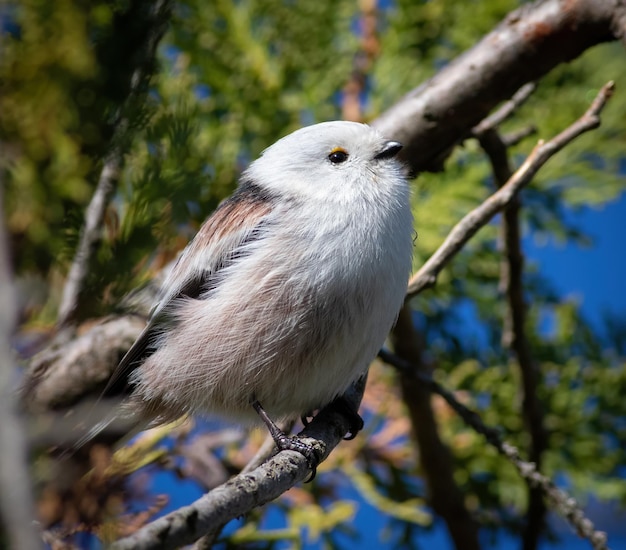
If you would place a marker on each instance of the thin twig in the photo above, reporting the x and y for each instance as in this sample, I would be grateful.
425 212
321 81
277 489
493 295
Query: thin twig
90 236
506 110
514 137
464 230
564 504
91 233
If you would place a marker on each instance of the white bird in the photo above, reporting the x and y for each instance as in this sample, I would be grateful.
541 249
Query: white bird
288 290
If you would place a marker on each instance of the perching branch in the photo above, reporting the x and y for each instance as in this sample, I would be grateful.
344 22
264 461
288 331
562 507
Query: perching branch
564 504
264 452
156 19
464 230
246 491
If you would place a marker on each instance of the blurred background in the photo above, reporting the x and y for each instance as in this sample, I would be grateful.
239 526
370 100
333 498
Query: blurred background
179 103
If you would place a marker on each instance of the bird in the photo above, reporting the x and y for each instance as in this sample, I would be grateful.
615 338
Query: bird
287 291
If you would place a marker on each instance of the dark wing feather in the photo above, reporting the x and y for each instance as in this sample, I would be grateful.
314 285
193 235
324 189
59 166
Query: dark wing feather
238 221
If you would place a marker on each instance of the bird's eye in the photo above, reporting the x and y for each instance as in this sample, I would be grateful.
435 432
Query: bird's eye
337 156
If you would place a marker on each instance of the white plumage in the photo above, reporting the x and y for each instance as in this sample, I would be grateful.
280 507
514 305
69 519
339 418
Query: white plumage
288 290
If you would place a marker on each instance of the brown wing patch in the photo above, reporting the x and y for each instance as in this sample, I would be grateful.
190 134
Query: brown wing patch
242 213
244 209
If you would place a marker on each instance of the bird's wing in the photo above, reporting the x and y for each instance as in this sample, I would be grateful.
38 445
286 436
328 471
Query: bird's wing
236 222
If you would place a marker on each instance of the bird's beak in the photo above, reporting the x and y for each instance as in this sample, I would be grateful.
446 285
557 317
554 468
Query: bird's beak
390 150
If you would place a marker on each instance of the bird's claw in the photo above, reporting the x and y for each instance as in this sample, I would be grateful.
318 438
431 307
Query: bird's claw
309 452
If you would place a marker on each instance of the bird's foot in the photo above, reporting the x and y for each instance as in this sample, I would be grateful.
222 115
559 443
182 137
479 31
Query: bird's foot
286 442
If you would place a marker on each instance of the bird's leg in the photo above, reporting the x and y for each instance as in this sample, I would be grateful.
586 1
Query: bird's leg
285 442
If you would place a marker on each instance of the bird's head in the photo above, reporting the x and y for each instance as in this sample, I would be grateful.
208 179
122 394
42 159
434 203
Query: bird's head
331 161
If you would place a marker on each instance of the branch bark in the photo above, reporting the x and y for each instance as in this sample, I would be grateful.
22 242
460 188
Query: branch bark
464 230
246 491
76 365
156 19
526 45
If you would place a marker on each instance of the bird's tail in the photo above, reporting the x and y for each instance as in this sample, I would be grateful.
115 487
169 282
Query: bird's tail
93 432
116 420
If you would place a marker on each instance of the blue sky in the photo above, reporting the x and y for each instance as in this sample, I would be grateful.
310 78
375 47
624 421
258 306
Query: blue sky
595 276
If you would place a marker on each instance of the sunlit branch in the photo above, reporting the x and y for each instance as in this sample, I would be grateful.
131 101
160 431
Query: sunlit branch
207 515
464 230
529 43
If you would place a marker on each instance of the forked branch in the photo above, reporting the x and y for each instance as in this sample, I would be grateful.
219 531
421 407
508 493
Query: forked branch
464 230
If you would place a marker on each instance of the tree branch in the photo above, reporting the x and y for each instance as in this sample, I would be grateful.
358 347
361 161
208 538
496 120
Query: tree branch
464 230
16 501
514 333
246 491
73 366
525 46
506 110
90 236
156 19
436 460
563 503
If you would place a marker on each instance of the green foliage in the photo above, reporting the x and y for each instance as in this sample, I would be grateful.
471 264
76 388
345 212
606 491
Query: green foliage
42 93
